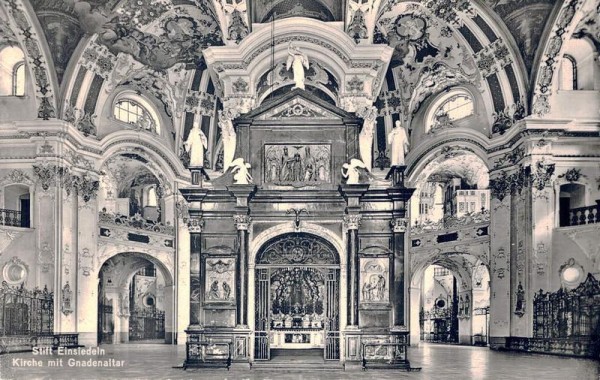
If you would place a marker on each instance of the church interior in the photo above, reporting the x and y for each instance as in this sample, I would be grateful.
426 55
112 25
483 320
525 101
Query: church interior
302 184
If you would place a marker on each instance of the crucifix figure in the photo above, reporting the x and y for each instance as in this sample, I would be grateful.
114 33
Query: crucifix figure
297 213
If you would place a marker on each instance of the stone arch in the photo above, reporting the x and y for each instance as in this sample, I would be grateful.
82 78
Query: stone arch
559 29
37 54
121 277
166 268
257 242
321 250
461 265
133 142
469 141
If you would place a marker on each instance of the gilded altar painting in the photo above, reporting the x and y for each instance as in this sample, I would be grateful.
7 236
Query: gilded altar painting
297 164
374 280
220 280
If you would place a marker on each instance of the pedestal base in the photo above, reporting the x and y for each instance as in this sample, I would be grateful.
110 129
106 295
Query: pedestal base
198 174
396 173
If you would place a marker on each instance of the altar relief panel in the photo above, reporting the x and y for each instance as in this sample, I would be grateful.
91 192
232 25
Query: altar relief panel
297 165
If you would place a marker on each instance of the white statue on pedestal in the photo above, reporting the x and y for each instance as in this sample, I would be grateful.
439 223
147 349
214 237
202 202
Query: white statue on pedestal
350 172
398 139
365 138
297 61
195 145
241 175
229 139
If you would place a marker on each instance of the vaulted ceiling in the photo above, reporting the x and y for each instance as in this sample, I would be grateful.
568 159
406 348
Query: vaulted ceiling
130 26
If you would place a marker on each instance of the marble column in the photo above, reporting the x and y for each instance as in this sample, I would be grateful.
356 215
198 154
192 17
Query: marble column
398 226
242 222
195 227
183 280
351 223
415 322
87 280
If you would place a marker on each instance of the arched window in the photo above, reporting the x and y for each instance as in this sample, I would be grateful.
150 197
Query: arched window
12 72
138 113
568 73
452 107
19 79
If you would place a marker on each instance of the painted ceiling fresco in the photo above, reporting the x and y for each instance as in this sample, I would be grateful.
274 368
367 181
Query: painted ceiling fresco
163 33
428 55
156 33
526 20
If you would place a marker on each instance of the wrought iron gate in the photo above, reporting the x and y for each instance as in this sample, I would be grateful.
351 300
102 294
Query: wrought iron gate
106 327
332 325
147 323
25 312
301 267
261 323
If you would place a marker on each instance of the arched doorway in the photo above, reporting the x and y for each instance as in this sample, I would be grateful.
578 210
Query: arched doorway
450 298
134 300
297 311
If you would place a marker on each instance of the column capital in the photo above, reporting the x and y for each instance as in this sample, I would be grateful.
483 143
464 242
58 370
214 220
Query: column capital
399 225
195 225
352 221
242 222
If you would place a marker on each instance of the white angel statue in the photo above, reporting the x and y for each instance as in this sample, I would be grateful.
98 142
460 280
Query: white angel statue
241 176
298 61
229 139
195 145
350 172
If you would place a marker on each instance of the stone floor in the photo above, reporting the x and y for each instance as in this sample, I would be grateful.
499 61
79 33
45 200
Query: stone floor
144 361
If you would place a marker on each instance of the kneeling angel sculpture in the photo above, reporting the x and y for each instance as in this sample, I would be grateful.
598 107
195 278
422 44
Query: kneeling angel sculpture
241 175
350 171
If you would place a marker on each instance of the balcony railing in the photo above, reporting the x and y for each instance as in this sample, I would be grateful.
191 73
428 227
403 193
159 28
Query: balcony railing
451 222
584 215
136 222
13 218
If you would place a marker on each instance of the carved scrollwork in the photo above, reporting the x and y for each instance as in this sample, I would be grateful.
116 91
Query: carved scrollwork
195 225
242 222
399 225
67 296
298 248
352 222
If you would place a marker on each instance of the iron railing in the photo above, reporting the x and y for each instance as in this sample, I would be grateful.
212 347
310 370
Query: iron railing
13 218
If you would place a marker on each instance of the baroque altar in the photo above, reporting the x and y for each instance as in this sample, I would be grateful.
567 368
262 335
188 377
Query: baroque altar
330 278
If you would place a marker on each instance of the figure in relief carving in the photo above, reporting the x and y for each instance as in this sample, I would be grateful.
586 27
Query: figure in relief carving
241 175
350 171
365 138
214 293
229 139
398 139
298 61
226 291
195 145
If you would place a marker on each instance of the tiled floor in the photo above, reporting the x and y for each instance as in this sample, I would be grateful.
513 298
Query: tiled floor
438 362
